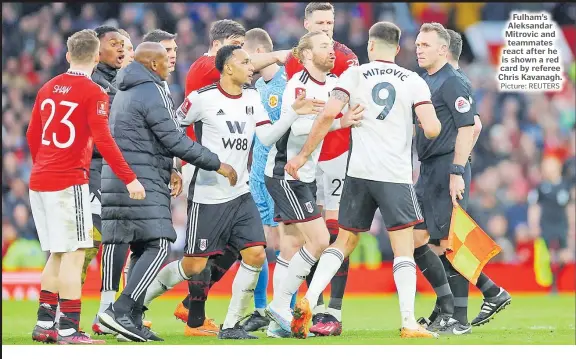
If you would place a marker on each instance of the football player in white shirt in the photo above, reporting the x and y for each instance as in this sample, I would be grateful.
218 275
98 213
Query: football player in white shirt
225 116
379 171
303 233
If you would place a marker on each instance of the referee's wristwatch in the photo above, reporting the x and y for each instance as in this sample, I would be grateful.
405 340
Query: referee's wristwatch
457 170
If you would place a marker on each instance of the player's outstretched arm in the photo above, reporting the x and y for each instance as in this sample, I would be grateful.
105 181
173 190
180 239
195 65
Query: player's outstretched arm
262 60
428 120
98 124
338 99
269 133
172 136
352 117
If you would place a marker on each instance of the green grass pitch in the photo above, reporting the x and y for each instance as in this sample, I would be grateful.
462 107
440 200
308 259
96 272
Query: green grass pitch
530 319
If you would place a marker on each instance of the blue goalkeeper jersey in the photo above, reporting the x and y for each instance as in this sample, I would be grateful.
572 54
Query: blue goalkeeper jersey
271 96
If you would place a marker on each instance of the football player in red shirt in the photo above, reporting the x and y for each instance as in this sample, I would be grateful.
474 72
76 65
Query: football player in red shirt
202 73
70 115
319 16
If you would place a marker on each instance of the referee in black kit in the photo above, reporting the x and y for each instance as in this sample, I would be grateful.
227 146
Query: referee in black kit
445 176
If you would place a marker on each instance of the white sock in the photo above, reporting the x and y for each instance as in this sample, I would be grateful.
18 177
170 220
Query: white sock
242 293
319 309
280 272
106 298
404 270
169 276
66 332
298 269
46 324
260 311
330 261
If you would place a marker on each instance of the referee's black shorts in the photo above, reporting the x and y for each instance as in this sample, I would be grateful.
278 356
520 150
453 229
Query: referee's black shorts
433 193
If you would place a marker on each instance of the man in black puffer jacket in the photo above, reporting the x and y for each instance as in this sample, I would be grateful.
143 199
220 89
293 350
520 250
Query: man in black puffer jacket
143 124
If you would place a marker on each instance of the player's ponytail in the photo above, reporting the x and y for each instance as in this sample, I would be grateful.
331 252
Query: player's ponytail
295 53
305 43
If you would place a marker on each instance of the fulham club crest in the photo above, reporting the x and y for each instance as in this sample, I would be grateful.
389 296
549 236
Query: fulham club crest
300 90
203 244
249 110
309 207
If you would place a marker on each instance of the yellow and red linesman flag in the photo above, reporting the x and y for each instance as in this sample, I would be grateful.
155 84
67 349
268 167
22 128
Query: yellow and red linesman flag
470 248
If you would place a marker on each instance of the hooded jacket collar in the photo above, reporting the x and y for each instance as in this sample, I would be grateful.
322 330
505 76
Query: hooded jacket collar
136 74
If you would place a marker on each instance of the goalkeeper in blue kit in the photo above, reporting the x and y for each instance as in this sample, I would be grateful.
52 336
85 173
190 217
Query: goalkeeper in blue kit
271 86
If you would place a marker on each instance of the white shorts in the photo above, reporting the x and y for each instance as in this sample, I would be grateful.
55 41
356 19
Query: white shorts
63 219
329 181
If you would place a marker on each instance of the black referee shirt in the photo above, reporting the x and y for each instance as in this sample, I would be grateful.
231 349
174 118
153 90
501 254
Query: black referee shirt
452 100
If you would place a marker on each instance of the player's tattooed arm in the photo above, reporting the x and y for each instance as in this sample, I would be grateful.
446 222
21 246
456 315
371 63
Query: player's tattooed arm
340 95
338 99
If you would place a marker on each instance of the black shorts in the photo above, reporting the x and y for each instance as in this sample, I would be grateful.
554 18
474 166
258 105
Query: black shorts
361 197
213 227
433 193
294 201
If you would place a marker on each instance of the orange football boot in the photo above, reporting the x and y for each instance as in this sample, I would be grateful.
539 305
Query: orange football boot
147 324
301 319
181 312
208 329
417 333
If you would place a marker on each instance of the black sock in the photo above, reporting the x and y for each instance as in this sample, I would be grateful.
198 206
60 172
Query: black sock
486 286
435 312
186 301
434 272
221 264
198 287
460 288
338 286
70 318
197 313
48 304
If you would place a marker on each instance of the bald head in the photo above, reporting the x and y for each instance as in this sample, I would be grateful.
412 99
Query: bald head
154 57
148 51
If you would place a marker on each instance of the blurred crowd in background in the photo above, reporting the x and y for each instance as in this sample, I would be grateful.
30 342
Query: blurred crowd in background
519 130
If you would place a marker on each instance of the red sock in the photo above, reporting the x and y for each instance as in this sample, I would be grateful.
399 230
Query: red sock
332 226
70 309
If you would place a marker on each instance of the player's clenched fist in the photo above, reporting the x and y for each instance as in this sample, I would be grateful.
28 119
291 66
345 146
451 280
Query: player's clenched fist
307 106
136 190
229 172
294 165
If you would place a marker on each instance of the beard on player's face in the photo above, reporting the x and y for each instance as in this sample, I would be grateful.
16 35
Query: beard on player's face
323 62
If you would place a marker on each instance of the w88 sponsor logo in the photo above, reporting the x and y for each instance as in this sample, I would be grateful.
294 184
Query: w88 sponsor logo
235 143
